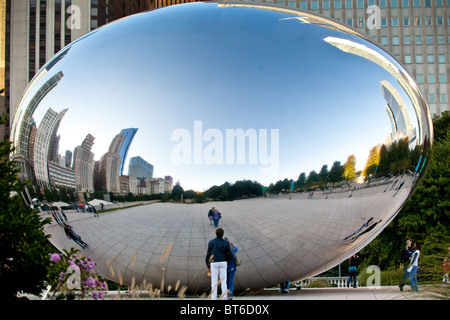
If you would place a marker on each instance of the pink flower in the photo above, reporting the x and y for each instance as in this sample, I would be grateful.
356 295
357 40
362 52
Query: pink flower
54 257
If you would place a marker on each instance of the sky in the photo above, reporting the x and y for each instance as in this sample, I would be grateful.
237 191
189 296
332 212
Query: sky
167 71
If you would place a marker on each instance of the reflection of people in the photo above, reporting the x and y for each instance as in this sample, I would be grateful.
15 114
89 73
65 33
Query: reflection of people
352 272
72 235
216 217
414 266
57 217
405 258
217 257
366 231
365 225
210 215
231 271
95 211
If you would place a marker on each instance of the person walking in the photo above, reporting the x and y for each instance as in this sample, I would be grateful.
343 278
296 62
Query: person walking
231 270
352 271
217 257
210 215
95 211
216 217
414 266
446 270
406 258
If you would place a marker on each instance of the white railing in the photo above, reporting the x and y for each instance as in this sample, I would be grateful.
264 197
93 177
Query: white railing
340 282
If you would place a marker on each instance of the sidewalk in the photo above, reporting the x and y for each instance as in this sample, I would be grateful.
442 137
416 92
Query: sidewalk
361 293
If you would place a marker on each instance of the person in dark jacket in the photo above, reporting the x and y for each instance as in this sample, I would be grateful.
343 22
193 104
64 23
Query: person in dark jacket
70 233
352 271
406 258
217 257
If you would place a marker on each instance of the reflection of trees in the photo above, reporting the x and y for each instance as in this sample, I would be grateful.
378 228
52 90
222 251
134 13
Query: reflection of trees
350 168
239 189
393 158
372 161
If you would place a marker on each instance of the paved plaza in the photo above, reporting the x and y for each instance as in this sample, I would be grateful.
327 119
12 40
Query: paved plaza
279 238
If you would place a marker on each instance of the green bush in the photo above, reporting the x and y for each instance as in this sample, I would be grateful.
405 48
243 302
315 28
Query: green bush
24 247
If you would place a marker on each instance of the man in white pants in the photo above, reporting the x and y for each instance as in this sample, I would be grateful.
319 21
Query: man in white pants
218 255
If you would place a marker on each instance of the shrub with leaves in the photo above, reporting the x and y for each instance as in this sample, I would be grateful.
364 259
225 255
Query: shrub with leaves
24 246
73 276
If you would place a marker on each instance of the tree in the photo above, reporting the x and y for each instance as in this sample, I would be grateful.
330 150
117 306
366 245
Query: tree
383 165
177 191
323 174
24 247
336 172
301 181
372 161
350 168
426 216
313 178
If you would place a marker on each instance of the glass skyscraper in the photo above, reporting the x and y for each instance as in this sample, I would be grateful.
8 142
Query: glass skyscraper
128 136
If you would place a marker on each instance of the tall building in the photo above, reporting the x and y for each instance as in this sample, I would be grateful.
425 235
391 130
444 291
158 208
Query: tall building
83 165
416 32
128 136
140 168
33 31
44 144
109 167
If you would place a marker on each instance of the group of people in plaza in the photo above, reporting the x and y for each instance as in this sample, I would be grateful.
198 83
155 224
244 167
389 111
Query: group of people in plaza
410 260
214 216
221 260
61 218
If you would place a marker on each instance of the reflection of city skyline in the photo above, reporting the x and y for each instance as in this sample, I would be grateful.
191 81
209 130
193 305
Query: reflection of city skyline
99 104
41 163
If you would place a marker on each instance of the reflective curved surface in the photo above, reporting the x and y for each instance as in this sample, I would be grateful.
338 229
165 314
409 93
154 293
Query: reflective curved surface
235 102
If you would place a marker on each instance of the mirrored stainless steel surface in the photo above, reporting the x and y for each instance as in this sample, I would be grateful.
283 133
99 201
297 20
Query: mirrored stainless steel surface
210 93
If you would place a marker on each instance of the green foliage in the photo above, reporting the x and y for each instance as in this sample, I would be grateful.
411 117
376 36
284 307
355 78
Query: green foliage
425 217
350 168
24 247
237 190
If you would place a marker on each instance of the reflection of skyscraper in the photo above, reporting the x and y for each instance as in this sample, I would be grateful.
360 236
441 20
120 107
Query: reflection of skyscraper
128 135
23 135
68 158
83 164
397 108
140 168
109 167
44 144
397 113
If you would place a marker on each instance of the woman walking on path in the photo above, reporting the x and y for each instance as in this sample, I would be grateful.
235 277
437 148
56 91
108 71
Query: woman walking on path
414 266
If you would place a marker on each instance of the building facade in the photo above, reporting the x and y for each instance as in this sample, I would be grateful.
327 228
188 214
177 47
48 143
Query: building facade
128 136
83 165
416 32
45 143
140 168
109 167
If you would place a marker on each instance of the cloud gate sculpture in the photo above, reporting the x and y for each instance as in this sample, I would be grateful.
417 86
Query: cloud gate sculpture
328 128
